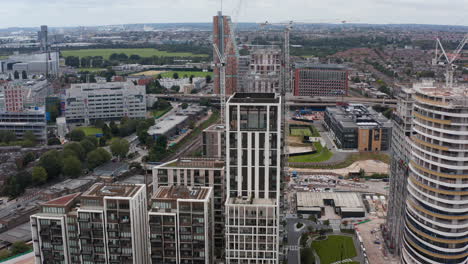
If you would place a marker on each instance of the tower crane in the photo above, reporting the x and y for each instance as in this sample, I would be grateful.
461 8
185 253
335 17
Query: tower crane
448 60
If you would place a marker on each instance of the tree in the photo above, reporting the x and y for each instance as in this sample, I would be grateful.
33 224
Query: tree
39 175
28 157
175 75
19 247
4 253
52 162
98 157
24 75
72 166
29 135
208 78
7 136
362 173
184 106
93 140
76 148
313 218
87 145
16 75
53 141
77 135
114 128
191 78
120 147
326 222
161 141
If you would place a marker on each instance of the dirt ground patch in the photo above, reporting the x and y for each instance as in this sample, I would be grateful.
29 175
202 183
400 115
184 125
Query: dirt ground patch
149 73
370 166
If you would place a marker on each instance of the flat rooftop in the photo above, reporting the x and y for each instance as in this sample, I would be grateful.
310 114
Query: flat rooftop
62 201
347 201
182 192
215 128
203 163
105 189
267 98
358 115
457 95
254 201
165 125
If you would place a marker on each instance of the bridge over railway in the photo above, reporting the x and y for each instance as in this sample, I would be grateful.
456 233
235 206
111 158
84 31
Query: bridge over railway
291 100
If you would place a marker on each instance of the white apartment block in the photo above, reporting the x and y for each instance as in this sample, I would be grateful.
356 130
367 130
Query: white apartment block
253 170
87 102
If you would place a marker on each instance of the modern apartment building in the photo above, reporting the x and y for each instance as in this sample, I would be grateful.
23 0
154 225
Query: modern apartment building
88 102
181 225
226 44
320 80
54 236
106 224
402 131
356 126
198 172
213 141
264 73
33 120
253 171
436 209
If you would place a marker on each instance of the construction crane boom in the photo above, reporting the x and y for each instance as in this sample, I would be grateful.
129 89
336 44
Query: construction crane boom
449 60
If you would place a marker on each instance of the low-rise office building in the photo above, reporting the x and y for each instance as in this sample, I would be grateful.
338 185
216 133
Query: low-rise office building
30 120
181 225
356 126
169 126
88 102
345 204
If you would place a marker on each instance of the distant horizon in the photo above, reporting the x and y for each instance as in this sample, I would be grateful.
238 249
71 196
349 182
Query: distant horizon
244 22
72 13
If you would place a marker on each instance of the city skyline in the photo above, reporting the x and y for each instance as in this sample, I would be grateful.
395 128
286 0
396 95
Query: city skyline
89 13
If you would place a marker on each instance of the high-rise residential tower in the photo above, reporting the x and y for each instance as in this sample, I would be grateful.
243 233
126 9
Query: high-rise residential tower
402 131
435 226
226 44
253 170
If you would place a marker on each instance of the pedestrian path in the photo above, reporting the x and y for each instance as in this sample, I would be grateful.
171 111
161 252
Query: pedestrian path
343 261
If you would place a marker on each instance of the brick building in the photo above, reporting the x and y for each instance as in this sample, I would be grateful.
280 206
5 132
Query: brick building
222 38
320 80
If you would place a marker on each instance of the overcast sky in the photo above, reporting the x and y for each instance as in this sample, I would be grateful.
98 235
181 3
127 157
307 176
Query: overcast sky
27 13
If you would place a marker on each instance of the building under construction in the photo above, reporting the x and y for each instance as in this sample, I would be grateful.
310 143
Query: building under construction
226 44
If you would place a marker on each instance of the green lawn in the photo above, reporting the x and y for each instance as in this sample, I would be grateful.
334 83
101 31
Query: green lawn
299 131
188 73
323 154
158 113
92 69
91 131
334 248
143 52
